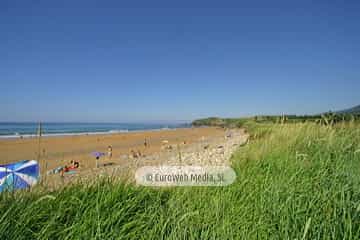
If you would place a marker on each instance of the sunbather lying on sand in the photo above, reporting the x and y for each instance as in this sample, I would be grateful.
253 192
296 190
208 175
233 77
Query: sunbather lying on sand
73 165
62 169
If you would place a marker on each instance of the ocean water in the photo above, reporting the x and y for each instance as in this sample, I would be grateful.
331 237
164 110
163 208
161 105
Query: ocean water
16 130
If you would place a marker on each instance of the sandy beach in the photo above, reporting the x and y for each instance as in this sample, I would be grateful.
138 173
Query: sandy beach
190 146
58 151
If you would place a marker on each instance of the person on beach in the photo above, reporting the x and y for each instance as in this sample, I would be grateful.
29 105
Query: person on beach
63 169
145 143
73 165
134 154
109 152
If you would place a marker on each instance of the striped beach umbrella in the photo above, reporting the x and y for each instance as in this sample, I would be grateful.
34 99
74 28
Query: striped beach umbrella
19 175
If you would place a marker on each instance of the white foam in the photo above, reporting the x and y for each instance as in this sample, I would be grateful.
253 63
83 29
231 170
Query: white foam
115 131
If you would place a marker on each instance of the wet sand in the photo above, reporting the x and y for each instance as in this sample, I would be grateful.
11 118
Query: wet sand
59 151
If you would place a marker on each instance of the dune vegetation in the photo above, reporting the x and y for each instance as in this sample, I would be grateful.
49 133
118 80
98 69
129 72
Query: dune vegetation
294 181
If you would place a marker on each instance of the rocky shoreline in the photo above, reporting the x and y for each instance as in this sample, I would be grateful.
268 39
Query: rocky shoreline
213 151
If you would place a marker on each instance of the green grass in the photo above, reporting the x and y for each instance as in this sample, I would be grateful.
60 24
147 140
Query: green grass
294 181
322 119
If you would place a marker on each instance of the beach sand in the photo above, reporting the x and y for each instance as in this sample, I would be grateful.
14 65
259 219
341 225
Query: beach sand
59 151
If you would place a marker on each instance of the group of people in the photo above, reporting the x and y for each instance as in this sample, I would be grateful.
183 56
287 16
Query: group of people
135 154
74 164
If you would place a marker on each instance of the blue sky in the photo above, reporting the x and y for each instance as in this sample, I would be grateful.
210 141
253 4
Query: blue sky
113 61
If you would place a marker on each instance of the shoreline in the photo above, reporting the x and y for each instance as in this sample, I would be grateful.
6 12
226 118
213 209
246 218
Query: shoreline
72 134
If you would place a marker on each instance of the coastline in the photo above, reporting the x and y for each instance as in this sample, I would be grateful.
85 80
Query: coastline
70 134
14 130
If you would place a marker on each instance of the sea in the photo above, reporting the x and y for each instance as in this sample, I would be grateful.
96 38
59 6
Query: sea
30 129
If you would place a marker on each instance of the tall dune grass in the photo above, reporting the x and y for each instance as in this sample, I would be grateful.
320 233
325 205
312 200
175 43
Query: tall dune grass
294 181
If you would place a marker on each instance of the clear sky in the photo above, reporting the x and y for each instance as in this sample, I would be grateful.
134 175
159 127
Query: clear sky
113 61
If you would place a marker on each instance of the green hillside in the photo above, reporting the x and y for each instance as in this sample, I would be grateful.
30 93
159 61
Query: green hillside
354 110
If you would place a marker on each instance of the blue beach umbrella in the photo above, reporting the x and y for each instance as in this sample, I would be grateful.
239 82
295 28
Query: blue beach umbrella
19 175
98 154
